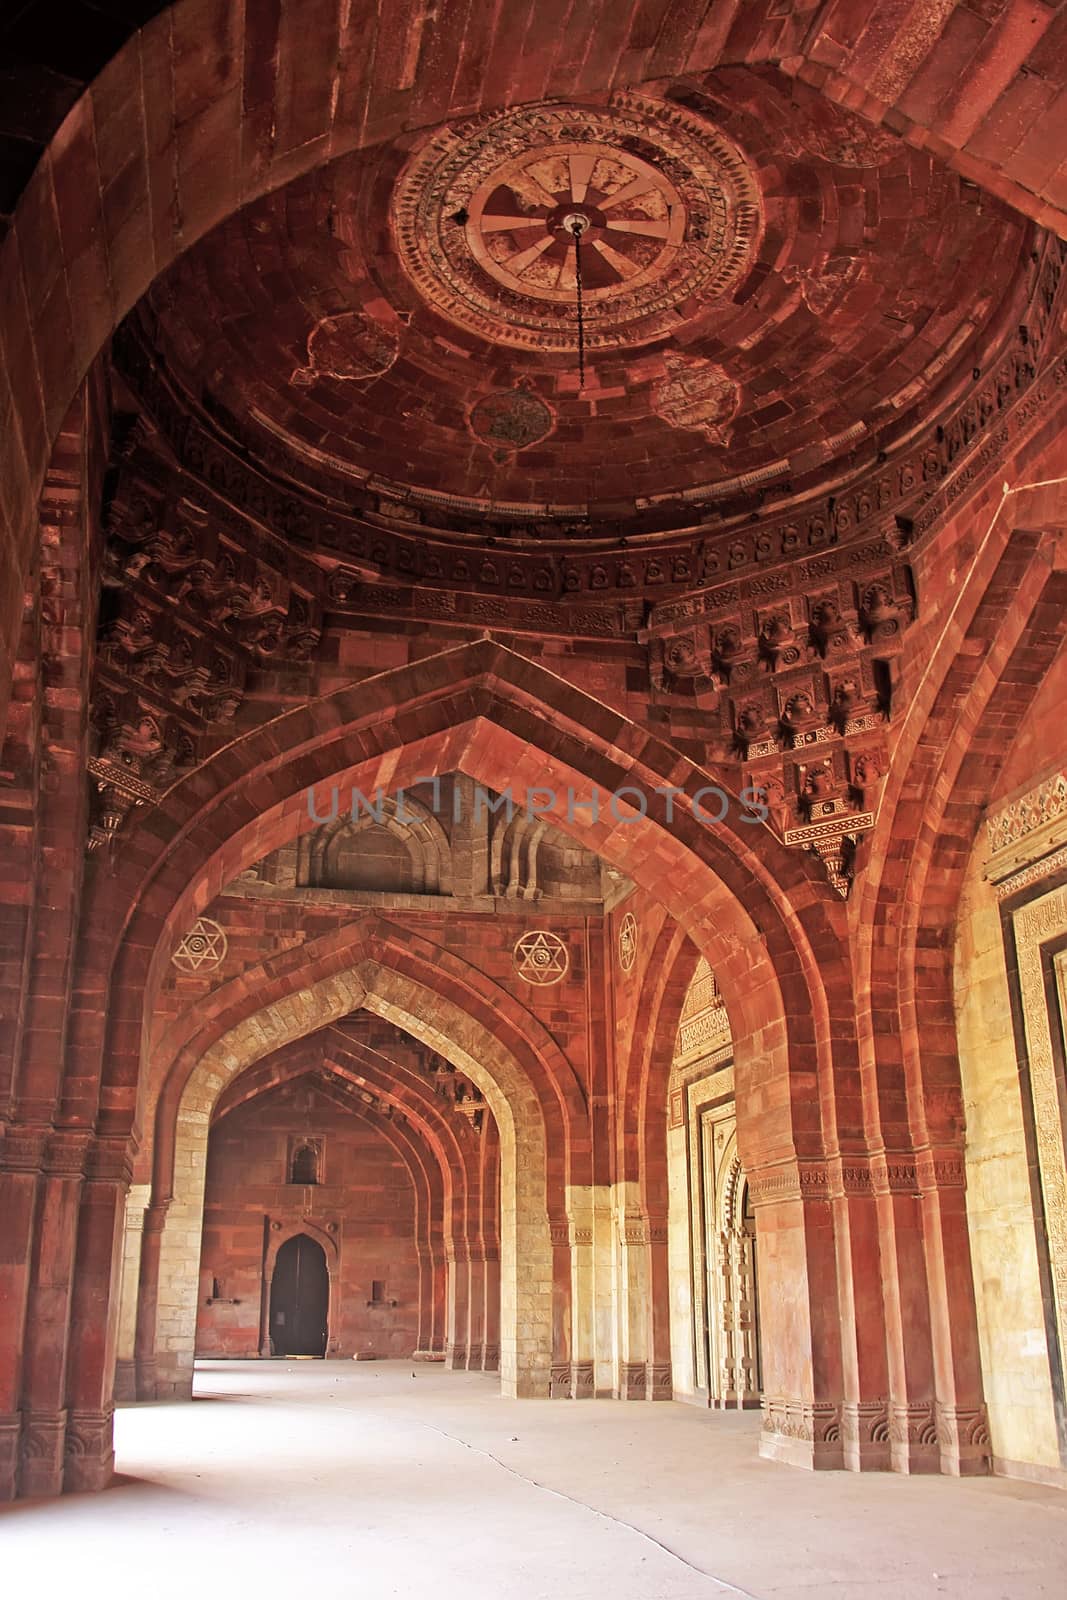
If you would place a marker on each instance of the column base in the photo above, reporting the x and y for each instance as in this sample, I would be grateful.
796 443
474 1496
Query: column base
963 1442
428 1355
42 1469
10 1432
456 1358
660 1385
90 1453
491 1359
633 1380
583 1385
801 1434
865 1432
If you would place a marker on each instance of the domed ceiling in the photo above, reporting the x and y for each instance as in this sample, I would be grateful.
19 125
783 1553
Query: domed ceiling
767 285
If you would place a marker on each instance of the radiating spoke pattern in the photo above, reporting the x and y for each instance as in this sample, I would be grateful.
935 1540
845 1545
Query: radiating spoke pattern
628 209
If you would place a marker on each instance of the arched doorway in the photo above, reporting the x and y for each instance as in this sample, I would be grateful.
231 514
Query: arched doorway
299 1299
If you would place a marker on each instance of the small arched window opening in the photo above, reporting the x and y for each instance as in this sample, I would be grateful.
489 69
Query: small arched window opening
304 1164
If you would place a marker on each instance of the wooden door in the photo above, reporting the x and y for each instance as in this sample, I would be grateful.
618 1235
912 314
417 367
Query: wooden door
299 1299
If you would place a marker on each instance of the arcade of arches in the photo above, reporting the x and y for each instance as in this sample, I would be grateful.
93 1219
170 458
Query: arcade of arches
534 830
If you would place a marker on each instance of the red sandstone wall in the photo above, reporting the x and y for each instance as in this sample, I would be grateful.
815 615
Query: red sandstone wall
366 1192
1041 742
258 929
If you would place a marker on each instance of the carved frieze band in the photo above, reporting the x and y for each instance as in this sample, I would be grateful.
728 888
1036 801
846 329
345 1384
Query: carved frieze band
878 1174
1047 867
1023 834
1031 811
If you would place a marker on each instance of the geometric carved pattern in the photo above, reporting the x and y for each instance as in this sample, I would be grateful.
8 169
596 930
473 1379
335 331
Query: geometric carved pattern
1031 811
704 1024
541 957
202 948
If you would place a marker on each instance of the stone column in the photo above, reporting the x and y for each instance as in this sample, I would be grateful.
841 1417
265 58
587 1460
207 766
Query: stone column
912 1444
491 1356
561 1310
90 1455
133 1233
49 1324
458 1307
659 1364
960 1418
476 1317
424 1335
144 1346
21 1151
583 1295
862 1286
802 1316
634 1296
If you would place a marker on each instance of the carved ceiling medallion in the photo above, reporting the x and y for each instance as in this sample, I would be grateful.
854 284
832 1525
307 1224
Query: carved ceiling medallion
671 211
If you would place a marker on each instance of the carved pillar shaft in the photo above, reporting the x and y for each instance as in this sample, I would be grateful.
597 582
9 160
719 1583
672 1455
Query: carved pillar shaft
144 1348
861 1278
18 1208
476 1315
802 1316
50 1319
491 1356
560 1384
458 1308
439 1300
424 1329
960 1413
133 1231
94 1323
659 1363
583 1377
634 1306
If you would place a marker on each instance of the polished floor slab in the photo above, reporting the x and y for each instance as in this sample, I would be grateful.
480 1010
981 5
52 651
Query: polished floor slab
387 1480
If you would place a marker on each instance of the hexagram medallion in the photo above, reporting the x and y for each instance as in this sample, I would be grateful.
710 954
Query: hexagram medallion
628 942
541 957
202 948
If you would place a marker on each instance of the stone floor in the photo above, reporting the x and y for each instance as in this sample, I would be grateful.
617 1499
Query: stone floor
335 1479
